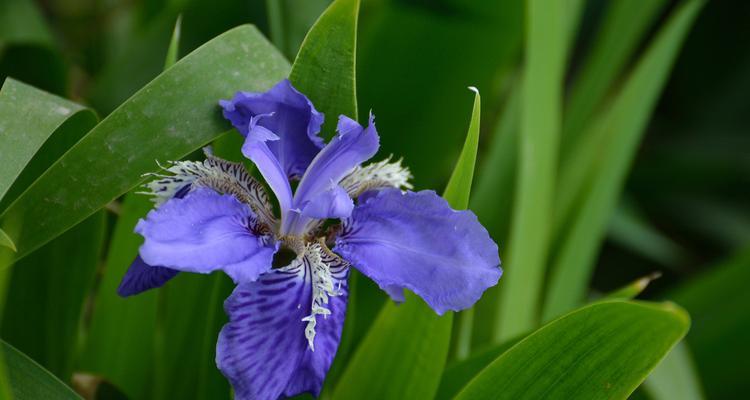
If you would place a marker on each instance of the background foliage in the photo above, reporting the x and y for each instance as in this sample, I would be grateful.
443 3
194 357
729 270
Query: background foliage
613 145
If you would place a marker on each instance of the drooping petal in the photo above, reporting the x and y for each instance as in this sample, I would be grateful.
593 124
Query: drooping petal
141 277
331 203
293 118
416 241
284 329
214 173
204 232
350 147
256 149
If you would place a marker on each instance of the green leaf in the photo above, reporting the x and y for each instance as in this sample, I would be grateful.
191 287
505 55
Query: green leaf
324 69
22 23
541 109
613 143
404 352
165 120
675 377
6 241
30 118
604 350
174 44
633 289
28 380
52 286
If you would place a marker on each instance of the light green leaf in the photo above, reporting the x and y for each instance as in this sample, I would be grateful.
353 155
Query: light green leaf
6 241
28 380
165 120
612 143
541 109
604 350
404 352
174 44
324 69
633 289
675 377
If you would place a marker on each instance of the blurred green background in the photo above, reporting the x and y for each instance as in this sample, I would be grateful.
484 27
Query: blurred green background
684 210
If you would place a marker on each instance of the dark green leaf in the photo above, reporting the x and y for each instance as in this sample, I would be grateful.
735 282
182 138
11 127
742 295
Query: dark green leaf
6 241
28 380
165 120
675 377
324 68
604 350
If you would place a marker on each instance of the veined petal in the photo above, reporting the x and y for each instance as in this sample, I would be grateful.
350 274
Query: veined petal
204 232
214 173
293 118
416 241
377 175
284 329
141 277
350 147
256 149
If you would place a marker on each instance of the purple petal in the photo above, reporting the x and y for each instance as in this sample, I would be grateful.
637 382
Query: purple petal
204 232
256 149
263 350
332 203
416 241
350 147
294 120
141 277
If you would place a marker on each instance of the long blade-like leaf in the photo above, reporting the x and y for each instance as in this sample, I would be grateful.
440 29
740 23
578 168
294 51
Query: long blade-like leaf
604 350
540 125
165 120
615 141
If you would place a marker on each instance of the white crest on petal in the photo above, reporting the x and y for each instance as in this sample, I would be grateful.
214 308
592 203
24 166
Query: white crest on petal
323 266
377 175
214 173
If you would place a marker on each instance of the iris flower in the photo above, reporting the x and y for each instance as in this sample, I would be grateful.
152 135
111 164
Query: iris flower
285 321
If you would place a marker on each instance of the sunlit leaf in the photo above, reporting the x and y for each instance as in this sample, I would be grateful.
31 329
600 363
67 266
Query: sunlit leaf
604 350
6 241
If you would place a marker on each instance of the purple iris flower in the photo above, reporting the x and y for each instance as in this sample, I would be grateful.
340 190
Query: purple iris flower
285 322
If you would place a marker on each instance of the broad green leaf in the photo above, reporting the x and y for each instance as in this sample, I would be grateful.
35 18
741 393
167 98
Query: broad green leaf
28 380
29 118
621 30
47 295
614 141
633 289
541 109
6 241
604 350
404 352
675 377
324 69
165 120
717 301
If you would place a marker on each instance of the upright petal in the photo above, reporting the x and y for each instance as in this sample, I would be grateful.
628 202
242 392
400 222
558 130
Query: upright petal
350 147
141 277
416 241
293 119
267 349
204 232
256 149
